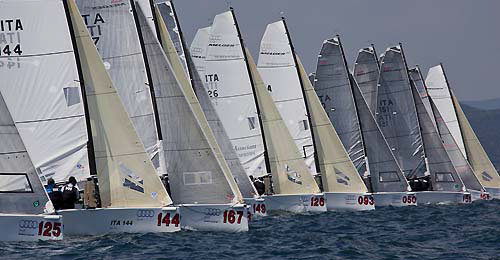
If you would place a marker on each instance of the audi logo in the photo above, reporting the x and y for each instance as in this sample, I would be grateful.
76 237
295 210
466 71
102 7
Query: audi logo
28 224
212 212
145 213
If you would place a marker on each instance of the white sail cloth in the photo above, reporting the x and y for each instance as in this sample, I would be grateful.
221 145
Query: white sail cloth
276 65
366 71
49 116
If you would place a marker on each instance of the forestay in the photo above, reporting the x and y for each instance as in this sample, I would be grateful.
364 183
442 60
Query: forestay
195 165
228 84
277 67
418 82
338 173
478 159
289 171
366 71
334 91
20 187
172 52
444 176
397 116
40 86
385 173
461 165
125 172
114 32
437 86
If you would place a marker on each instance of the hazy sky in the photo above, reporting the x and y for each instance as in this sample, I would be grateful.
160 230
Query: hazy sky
462 34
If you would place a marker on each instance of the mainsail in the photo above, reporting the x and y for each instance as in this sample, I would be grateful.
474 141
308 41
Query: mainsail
20 187
198 49
114 32
289 171
478 159
49 116
175 56
126 175
366 71
444 176
338 173
334 91
229 87
396 113
418 82
196 167
278 70
438 89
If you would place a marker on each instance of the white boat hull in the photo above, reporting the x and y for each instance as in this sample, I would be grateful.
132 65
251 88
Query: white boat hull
395 199
120 220
478 195
296 203
443 197
349 201
215 217
494 192
31 227
257 207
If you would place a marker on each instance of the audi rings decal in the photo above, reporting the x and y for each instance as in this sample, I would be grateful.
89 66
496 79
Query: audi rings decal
212 212
145 213
32 224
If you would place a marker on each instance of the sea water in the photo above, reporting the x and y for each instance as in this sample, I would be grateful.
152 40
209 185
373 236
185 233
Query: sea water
423 232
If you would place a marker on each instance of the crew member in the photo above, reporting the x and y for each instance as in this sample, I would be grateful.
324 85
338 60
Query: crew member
70 194
54 193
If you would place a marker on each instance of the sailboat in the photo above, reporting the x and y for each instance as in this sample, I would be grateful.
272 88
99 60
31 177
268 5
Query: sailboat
453 116
366 71
279 70
26 212
175 48
361 136
253 122
300 107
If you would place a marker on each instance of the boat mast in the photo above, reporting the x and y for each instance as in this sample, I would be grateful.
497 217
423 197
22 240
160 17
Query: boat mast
252 83
316 161
155 19
454 108
375 54
148 72
90 142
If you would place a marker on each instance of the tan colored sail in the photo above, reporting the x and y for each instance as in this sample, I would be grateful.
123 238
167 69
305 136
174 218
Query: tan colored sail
483 168
337 170
171 53
126 175
288 169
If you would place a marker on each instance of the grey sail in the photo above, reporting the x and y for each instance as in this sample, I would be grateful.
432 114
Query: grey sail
194 166
416 77
461 164
396 114
333 87
167 14
385 173
366 71
21 191
444 176
114 32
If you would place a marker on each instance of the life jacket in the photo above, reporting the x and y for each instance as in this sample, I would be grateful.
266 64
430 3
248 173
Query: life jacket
69 196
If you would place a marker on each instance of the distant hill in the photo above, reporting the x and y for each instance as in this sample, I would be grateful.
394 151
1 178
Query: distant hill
486 124
487 104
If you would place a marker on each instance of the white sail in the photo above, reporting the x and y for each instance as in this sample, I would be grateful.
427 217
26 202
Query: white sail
366 71
438 89
277 67
198 50
396 114
444 176
289 171
333 87
49 116
338 173
418 81
478 159
172 52
114 32
228 84
20 187
125 172
196 167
